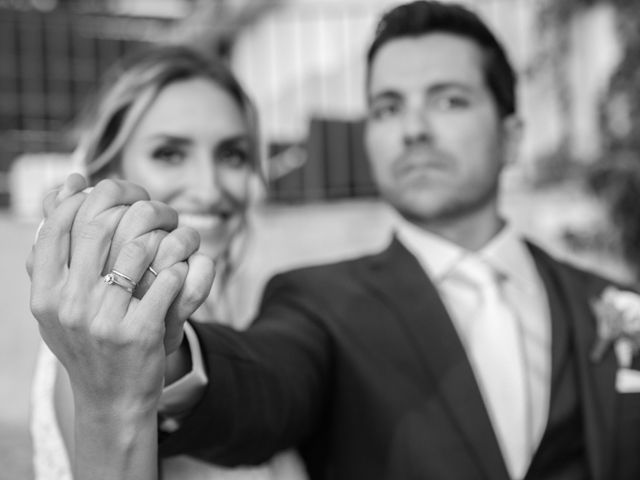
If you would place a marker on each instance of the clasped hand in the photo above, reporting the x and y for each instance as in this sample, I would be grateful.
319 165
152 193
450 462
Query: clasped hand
112 343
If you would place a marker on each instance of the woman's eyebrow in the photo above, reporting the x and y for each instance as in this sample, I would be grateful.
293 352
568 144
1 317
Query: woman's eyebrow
235 140
170 138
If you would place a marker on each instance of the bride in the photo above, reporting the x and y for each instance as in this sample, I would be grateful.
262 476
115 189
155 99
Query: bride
180 126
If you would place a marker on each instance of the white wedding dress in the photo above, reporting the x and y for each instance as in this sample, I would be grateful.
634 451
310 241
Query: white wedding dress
51 461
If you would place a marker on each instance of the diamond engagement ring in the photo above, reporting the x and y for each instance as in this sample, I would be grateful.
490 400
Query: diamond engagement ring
120 279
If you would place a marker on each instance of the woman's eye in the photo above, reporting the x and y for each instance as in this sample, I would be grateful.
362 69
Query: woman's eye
233 157
169 155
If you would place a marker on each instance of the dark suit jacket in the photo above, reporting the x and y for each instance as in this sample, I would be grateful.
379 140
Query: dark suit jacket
358 364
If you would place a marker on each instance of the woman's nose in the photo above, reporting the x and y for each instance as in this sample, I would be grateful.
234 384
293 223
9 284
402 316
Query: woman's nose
204 180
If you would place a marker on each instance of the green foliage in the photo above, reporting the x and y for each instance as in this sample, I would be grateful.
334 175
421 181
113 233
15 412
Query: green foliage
560 12
616 178
616 182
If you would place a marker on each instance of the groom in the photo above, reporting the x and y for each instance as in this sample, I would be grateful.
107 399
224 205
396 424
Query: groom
461 351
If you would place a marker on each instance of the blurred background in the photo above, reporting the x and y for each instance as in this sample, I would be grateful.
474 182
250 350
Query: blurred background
574 187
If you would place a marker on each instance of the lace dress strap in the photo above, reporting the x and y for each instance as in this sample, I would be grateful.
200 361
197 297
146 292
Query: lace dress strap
50 458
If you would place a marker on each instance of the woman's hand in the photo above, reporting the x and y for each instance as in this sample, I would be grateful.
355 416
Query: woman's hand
111 343
142 217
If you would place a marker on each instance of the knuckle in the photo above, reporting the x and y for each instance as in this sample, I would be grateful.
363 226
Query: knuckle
104 330
95 230
165 211
107 188
135 250
71 311
49 230
173 278
196 294
158 236
148 212
105 335
204 265
40 307
143 209
191 237
174 248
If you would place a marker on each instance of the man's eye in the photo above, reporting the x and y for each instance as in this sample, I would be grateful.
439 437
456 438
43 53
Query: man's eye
380 112
168 155
450 102
233 157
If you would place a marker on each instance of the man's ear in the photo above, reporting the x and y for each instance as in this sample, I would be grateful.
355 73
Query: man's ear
512 131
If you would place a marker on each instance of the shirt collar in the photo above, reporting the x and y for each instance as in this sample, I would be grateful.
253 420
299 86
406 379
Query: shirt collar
506 252
436 254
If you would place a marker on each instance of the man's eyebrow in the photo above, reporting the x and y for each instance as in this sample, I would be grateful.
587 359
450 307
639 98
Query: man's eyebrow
449 85
434 89
385 95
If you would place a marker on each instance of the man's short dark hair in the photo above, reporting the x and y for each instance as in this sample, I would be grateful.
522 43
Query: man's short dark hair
423 17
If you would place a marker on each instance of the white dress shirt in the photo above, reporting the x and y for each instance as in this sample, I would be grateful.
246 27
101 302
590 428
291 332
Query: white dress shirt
524 292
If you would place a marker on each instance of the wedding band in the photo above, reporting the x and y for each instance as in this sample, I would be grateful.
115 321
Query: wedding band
152 271
120 279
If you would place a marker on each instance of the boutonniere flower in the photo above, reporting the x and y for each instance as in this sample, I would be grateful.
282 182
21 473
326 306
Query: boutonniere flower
618 317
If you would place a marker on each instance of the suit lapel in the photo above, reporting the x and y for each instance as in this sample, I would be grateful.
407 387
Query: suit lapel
401 281
569 296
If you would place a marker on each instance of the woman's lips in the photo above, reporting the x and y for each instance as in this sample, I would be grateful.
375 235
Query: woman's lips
203 222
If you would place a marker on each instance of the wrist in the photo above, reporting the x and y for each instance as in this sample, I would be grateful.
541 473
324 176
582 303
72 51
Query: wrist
114 444
115 412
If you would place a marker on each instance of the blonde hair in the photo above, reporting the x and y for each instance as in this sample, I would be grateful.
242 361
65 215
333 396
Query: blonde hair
127 92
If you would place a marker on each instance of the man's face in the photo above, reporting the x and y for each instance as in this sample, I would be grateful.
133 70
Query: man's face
434 137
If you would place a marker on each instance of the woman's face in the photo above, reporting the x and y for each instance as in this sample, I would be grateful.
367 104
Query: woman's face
191 150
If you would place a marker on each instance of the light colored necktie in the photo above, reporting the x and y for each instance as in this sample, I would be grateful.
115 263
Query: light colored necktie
495 346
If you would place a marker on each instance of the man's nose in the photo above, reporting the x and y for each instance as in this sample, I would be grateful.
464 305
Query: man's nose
416 127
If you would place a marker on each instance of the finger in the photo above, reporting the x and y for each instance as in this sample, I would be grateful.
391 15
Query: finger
143 217
133 259
47 264
51 245
29 263
177 246
196 289
73 184
49 203
107 194
90 248
151 311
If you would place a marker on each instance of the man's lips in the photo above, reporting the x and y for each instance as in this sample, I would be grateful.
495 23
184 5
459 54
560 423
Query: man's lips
421 161
408 169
